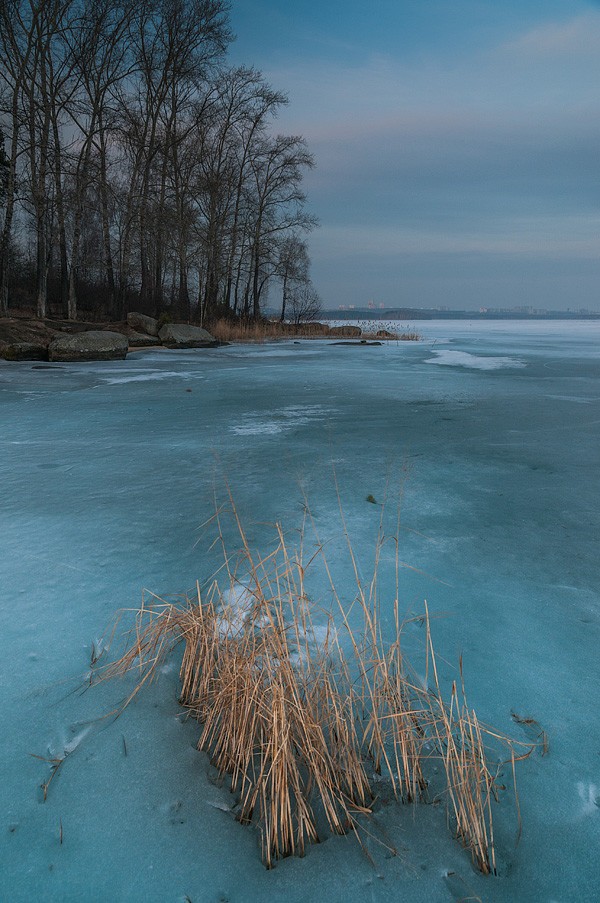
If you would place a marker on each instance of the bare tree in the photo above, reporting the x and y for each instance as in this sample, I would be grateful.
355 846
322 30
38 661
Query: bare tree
46 89
174 42
292 267
304 304
277 200
255 101
101 60
17 39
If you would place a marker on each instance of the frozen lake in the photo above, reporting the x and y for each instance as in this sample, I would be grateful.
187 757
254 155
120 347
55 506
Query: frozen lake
486 434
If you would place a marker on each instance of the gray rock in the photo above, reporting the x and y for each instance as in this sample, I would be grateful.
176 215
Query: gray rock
95 345
179 335
23 351
384 334
140 339
347 331
142 323
360 343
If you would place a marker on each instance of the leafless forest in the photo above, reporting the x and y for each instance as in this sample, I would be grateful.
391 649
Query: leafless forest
140 170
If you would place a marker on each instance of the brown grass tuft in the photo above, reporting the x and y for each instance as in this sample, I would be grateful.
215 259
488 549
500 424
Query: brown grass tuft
298 705
265 330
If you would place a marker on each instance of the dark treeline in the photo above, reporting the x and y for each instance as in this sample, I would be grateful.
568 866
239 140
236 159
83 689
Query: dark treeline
137 169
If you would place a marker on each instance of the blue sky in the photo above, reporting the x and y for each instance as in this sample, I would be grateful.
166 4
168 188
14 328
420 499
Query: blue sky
457 145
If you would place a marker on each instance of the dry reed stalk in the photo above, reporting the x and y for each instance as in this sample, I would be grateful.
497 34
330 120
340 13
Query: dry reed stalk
470 783
371 336
55 763
292 713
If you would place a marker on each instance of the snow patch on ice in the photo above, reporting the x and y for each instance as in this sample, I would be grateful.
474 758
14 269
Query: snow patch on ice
63 748
146 376
168 668
576 399
474 361
254 423
238 612
72 745
589 794
237 604
255 428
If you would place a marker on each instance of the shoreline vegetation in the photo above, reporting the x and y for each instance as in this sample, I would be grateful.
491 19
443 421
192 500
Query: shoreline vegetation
312 718
268 330
24 337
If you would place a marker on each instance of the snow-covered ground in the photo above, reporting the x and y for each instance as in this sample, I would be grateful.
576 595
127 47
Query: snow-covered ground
486 434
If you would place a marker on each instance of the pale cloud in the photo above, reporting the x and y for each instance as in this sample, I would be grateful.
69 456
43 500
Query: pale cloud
520 237
540 72
578 37
490 157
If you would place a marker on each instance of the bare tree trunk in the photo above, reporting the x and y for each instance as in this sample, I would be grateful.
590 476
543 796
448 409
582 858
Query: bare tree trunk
255 286
39 180
41 297
10 208
14 60
105 218
159 252
65 297
81 186
284 297
125 249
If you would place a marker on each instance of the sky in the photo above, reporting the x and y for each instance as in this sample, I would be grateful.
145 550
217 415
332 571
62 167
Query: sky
457 145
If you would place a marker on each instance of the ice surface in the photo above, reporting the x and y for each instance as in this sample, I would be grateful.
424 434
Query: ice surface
464 359
108 472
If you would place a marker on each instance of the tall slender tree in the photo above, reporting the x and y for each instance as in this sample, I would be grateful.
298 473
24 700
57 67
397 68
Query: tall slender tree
16 51
100 54
292 267
277 200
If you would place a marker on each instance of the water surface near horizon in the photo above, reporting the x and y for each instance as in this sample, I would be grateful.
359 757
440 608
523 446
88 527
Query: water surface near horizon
485 435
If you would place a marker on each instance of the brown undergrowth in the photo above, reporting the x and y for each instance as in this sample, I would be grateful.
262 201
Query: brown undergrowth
265 330
300 707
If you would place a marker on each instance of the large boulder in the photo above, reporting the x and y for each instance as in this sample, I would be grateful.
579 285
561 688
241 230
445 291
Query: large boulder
140 339
24 340
179 335
348 332
23 351
95 345
142 323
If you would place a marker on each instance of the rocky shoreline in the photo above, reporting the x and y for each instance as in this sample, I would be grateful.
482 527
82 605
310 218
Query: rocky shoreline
64 340
24 339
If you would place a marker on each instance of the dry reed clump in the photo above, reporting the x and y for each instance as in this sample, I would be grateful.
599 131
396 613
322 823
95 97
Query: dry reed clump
299 705
264 330
384 335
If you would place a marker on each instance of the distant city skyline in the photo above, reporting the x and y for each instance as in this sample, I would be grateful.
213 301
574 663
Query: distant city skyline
358 312
457 145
